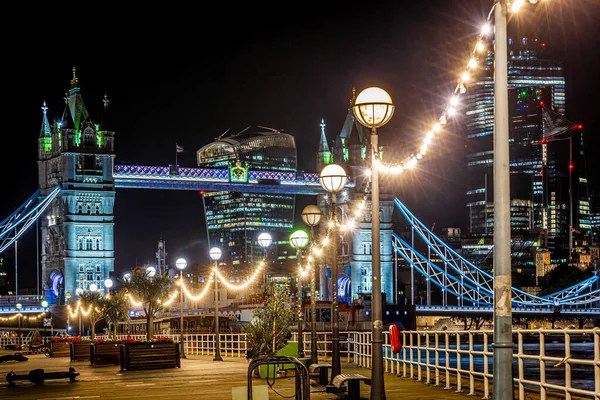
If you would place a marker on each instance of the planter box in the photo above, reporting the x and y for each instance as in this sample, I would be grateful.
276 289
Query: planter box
60 349
80 351
149 356
105 353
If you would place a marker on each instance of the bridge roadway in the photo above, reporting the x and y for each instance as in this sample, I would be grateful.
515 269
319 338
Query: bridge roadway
198 378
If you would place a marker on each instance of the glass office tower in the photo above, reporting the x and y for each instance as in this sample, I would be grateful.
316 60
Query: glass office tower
535 83
235 219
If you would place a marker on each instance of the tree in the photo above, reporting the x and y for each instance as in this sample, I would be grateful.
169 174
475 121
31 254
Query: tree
117 310
561 277
269 328
151 291
95 304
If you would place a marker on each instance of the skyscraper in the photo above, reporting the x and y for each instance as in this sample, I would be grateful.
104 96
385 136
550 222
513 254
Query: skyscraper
535 83
235 219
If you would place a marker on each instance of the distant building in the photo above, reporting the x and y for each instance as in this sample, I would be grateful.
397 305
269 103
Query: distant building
235 219
3 287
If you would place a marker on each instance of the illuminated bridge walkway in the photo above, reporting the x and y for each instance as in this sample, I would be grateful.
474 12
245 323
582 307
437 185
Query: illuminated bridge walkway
218 179
465 288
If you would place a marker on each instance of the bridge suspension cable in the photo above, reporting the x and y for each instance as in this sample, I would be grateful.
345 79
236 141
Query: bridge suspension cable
18 222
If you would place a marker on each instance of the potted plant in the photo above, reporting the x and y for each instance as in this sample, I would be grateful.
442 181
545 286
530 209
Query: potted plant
106 351
268 331
79 349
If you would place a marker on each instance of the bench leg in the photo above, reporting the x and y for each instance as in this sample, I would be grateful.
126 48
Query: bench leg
323 376
353 389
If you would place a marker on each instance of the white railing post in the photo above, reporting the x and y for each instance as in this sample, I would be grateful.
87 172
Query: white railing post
447 354
471 366
458 364
542 341
486 372
520 364
596 334
404 359
567 366
428 375
419 366
437 359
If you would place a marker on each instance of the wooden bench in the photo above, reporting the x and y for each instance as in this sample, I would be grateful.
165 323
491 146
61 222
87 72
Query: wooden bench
353 382
150 356
320 371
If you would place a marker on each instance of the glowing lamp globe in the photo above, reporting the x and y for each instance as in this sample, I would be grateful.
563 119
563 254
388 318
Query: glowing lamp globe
373 107
151 271
93 287
68 295
265 240
181 263
333 178
19 306
108 283
215 253
127 276
79 291
299 239
311 215
44 304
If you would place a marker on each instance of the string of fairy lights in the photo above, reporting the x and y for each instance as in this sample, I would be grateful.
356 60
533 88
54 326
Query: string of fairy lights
450 110
24 317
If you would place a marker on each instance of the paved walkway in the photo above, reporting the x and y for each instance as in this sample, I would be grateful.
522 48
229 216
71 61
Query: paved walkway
198 378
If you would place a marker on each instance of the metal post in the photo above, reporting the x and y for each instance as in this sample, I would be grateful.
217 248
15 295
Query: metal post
19 334
182 351
16 274
571 227
314 355
300 313
503 343
377 383
336 368
217 328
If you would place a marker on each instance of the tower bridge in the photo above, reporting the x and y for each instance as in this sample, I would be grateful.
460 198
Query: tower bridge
75 199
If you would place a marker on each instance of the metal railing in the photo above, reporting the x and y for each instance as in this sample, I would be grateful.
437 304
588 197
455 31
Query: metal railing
565 362
548 362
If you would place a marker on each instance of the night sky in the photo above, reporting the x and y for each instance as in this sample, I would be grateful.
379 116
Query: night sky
187 75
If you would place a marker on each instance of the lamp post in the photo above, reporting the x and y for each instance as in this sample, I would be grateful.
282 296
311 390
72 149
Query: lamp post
311 216
215 255
19 307
333 178
68 297
78 292
299 240
373 108
44 304
503 343
108 283
265 240
181 263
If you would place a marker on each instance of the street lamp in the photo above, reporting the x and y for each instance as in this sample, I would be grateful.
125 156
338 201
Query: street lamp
44 305
215 255
503 341
333 179
299 240
79 292
181 263
93 287
108 283
68 297
311 216
373 108
19 307
265 240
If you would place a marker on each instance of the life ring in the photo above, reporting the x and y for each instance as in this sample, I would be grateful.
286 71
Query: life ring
395 338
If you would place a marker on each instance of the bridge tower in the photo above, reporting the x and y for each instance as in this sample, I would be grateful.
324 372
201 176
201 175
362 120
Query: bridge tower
355 255
77 230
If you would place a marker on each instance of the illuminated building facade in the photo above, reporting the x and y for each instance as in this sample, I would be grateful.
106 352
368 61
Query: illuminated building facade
77 229
534 83
235 219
